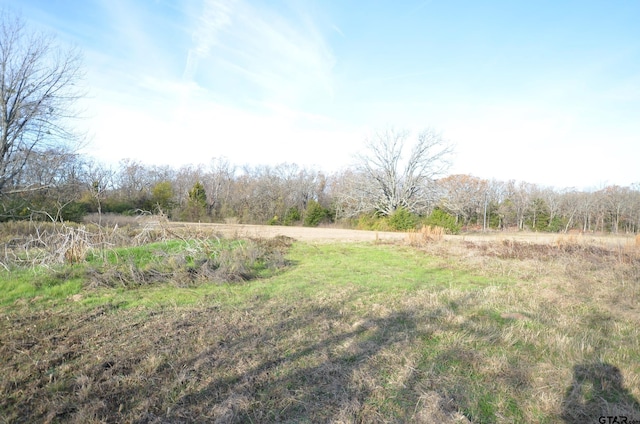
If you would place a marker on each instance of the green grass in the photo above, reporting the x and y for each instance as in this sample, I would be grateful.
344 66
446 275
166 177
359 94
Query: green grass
43 285
173 259
365 269
368 269
344 333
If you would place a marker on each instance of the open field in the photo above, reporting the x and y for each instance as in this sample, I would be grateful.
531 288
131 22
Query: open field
460 330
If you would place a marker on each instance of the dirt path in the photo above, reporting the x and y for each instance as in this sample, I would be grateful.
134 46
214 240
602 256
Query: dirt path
298 233
343 235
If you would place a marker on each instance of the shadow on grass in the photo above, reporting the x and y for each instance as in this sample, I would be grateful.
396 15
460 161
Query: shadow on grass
324 359
322 381
596 393
310 367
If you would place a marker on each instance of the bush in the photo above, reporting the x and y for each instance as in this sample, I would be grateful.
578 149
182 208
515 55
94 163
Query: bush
402 220
162 196
197 195
40 208
292 216
557 224
440 218
196 208
274 221
373 222
314 214
74 212
120 206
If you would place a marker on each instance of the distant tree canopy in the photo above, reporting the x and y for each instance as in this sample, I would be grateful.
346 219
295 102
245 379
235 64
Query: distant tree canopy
295 195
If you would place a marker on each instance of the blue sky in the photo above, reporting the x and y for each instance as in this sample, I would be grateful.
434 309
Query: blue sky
546 92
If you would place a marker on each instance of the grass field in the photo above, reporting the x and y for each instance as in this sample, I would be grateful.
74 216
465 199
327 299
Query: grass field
453 331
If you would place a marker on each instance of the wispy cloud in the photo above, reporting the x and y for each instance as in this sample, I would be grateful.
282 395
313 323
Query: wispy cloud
214 16
275 61
337 29
279 54
128 33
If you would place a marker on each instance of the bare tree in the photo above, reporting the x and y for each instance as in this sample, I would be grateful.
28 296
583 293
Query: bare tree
185 177
389 179
100 182
38 86
135 179
218 182
345 190
553 201
464 196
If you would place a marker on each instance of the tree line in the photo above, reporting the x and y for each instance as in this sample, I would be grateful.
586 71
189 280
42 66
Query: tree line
288 194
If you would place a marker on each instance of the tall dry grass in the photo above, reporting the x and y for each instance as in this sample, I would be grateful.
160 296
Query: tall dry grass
426 234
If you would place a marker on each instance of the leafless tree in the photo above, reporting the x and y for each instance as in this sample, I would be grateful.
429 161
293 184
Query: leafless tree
60 177
553 201
463 196
39 84
345 190
134 179
389 179
634 215
218 182
185 177
616 201
99 180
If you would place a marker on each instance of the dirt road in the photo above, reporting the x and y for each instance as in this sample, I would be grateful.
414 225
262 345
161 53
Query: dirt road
343 235
298 233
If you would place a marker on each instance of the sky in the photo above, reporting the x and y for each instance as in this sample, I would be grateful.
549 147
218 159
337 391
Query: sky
546 92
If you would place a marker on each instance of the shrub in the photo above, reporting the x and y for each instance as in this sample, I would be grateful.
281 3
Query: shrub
162 196
196 208
197 195
557 224
292 216
74 212
373 222
440 218
274 221
115 205
314 214
401 220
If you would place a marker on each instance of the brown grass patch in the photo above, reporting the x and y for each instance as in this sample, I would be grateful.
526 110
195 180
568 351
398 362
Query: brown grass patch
426 234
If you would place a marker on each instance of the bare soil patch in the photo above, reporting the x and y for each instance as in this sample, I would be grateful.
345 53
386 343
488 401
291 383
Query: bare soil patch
328 234
299 233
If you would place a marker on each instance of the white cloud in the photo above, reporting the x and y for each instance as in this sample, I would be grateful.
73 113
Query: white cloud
280 57
214 16
177 133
